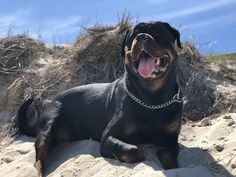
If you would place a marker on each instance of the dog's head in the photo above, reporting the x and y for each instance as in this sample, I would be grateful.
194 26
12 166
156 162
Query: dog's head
149 50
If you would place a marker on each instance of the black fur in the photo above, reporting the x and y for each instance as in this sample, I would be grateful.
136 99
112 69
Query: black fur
106 113
22 119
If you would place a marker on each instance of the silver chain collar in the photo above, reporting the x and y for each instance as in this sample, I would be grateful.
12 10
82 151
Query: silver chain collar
176 98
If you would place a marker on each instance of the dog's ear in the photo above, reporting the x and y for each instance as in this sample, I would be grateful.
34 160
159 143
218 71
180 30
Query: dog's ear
124 43
175 33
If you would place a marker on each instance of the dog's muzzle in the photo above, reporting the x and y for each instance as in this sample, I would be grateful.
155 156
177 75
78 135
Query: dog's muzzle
151 67
144 62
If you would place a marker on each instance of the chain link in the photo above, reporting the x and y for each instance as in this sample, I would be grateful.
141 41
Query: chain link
176 98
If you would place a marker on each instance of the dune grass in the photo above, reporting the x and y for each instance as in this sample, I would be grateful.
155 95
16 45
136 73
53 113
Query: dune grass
231 56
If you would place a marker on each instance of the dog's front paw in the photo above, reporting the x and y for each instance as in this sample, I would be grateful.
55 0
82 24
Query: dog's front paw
132 154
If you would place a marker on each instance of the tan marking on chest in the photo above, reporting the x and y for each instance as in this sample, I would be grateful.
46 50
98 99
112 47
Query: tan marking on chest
130 129
172 127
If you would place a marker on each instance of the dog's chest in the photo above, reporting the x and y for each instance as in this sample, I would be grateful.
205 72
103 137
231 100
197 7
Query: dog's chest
136 127
151 122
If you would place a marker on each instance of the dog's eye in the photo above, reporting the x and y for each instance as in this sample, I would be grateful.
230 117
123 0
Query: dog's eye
164 57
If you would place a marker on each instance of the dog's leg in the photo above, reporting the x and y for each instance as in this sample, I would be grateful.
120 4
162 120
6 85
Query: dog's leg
114 148
42 146
168 158
169 151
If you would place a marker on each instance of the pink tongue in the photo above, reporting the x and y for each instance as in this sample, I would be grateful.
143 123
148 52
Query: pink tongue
146 67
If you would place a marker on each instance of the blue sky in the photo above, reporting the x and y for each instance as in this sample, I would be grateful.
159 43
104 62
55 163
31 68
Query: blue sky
211 24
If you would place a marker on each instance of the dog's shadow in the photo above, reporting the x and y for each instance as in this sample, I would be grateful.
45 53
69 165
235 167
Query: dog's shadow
191 160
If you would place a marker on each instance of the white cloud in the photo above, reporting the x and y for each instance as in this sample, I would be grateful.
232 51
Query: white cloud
224 19
59 28
21 21
194 10
62 23
17 18
156 2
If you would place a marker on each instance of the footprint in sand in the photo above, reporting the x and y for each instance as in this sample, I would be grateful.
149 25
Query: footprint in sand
7 159
23 151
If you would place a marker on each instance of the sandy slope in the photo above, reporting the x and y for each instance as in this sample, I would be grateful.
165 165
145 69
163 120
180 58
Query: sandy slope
208 148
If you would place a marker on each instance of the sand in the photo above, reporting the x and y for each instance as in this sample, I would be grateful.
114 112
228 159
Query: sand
207 146
207 149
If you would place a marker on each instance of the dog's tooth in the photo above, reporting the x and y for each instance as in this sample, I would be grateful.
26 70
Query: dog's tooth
157 61
163 69
153 75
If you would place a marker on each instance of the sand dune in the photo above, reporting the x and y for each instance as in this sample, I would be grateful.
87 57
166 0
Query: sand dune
30 67
208 148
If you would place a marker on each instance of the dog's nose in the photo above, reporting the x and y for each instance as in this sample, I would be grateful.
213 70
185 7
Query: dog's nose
142 37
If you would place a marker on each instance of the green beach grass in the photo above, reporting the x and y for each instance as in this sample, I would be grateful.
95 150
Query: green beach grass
231 56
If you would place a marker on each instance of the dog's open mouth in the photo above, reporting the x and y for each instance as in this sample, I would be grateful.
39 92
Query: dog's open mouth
151 67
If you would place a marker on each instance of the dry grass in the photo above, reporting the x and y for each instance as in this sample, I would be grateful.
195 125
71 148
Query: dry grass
124 22
204 85
99 56
43 71
17 51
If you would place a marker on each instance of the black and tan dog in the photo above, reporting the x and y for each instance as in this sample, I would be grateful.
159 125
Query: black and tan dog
143 106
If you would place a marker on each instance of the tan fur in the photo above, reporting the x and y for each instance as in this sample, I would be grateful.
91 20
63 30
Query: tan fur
150 85
127 159
38 166
172 127
130 129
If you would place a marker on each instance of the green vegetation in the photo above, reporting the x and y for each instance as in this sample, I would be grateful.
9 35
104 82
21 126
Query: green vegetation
231 56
